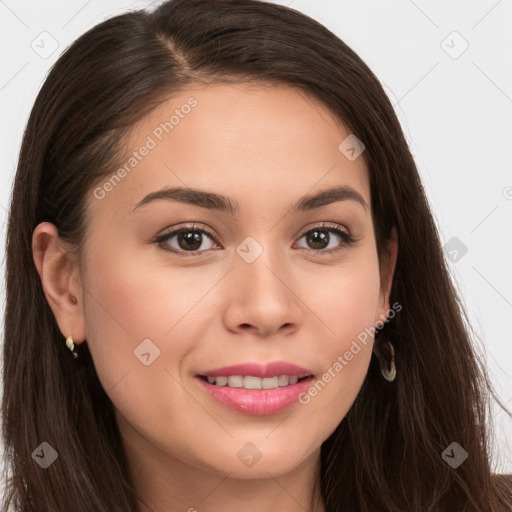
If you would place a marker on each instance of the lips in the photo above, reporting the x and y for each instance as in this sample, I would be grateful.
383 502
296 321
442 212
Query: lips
273 369
253 388
256 401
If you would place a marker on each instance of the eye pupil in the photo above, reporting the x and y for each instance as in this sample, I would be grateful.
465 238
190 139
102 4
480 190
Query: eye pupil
319 237
192 238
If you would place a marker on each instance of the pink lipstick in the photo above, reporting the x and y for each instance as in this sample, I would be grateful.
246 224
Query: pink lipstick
257 389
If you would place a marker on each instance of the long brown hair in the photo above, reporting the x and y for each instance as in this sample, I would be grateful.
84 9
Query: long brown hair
386 453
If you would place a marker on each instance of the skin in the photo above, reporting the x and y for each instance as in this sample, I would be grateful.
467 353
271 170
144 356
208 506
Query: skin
265 148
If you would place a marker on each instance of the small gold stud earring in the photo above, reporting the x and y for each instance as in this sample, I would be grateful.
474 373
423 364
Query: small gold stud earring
71 345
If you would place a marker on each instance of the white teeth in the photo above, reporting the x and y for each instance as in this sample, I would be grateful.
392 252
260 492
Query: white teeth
250 382
283 380
270 383
221 381
236 381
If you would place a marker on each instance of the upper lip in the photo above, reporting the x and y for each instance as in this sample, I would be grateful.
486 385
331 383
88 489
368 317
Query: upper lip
272 369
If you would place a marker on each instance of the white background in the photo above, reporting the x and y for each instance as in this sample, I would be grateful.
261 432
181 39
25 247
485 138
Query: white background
455 110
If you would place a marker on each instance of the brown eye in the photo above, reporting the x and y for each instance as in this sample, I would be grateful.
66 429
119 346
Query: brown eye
192 240
318 239
323 238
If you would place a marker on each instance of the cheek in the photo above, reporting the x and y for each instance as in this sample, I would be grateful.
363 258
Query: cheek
346 299
347 306
134 295
128 301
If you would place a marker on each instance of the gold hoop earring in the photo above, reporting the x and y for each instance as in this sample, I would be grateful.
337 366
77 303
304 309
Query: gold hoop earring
386 354
71 345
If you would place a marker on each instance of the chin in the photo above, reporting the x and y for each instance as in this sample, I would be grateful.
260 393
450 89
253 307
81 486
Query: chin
247 462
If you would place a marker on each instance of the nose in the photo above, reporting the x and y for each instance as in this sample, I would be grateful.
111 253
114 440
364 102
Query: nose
264 296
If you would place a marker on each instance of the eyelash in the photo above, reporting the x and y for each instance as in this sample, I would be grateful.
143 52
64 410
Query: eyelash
347 239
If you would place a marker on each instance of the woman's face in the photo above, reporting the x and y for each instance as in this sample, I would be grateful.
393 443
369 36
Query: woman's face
271 281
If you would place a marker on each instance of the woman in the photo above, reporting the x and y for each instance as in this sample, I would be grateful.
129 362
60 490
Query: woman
225 287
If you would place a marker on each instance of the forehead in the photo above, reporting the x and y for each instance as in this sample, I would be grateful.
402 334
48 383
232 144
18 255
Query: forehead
234 139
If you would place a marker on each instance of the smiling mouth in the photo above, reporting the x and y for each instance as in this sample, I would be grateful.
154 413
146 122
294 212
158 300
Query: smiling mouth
255 383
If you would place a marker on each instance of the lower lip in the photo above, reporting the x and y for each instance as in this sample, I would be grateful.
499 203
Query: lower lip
257 401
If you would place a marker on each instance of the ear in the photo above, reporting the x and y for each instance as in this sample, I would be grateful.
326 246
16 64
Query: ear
60 278
387 270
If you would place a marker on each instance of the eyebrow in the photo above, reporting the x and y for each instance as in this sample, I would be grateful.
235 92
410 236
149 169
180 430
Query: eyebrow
213 201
